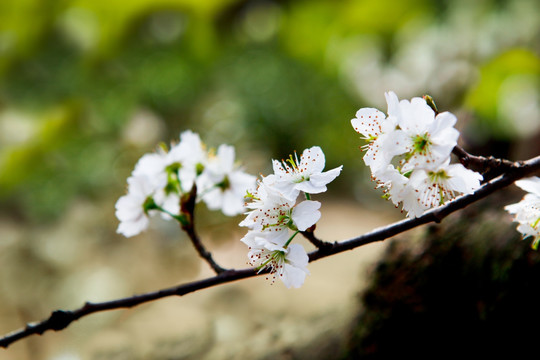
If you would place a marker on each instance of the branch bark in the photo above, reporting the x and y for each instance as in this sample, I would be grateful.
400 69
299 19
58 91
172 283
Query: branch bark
60 319
187 206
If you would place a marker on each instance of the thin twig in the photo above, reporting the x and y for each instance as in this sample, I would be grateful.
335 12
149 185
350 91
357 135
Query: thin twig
187 206
205 254
60 319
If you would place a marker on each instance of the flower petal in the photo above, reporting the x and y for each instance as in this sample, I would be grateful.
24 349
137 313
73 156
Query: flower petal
306 214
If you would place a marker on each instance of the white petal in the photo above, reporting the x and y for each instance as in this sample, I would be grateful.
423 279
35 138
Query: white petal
416 116
326 177
462 179
279 170
305 214
213 198
292 276
295 267
312 161
393 104
531 184
232 204
287 189
226 155
132 228
368 122
297 256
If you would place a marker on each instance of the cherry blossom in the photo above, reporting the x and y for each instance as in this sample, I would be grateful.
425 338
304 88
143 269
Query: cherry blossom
223 184
288 263
271 211
408 153
305 174
527 211
165 176
378 131
133 208
427 189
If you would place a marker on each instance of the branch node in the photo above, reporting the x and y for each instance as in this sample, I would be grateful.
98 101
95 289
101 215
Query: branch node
59 320
310 236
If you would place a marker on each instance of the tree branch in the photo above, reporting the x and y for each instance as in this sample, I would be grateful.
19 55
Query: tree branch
309 234
490 167
187 205
60 319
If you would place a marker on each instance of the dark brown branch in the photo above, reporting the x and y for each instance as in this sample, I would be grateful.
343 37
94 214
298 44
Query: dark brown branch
309 234
436 215
205 254
187 206
60 319
490 167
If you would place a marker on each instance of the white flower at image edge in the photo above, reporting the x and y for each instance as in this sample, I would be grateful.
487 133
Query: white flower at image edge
288 264
130 207
222 185
527 211
304 174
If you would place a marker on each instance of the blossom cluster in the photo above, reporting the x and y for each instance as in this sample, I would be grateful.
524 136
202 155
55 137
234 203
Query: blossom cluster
409 154
277 212
527 211
160 180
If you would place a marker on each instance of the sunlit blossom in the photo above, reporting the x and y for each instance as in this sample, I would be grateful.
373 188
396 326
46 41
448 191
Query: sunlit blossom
303 174
427 189
271 211
289 263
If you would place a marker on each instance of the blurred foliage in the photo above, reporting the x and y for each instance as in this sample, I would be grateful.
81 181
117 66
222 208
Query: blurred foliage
87 86
508 78
470 286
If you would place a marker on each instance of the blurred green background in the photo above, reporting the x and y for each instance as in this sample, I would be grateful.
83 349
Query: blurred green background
88 86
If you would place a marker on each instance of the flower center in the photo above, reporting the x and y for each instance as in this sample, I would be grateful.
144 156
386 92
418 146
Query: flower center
224 184
421 144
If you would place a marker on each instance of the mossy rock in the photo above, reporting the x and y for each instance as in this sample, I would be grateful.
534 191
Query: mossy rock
470 287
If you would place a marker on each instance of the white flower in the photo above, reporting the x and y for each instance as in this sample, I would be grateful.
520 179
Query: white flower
153 167
222 184
131 209
273 212
189 158
409 154
427 139
527 211
254 237
304 174
288 263
393 184
431 188
411 130
378 131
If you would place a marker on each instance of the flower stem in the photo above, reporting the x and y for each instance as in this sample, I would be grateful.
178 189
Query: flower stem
181 218
290 239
